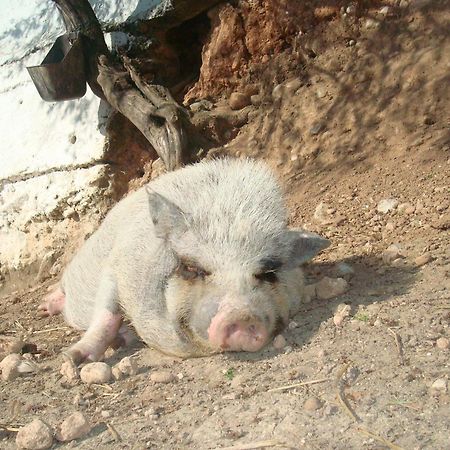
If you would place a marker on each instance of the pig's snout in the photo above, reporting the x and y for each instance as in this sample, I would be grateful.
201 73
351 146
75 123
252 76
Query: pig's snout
237 335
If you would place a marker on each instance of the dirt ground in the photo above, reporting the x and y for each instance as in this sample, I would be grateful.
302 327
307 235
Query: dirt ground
364 119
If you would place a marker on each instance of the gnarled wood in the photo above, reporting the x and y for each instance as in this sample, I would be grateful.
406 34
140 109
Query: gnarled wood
150 108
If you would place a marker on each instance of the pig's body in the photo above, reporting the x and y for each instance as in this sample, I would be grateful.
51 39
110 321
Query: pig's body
200 261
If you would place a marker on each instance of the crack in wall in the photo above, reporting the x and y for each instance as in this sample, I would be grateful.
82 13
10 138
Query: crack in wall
39 173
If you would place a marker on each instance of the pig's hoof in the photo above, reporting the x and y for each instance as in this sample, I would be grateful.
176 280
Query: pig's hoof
53 304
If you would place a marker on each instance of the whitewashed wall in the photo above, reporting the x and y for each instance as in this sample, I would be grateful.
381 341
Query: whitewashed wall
49 152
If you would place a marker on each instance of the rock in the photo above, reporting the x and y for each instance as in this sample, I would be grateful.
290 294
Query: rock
36 435
96 372
310 293
278 91
323 214
371 24
321 93
385 10
328 288
316 128
386 205
201 105
442 343
74 427
10 345
10 366
162 377
390 226
440 385
292 325
406 208
312 404
422 260
279 342
256 99
238 100
106 413
344 270
392 253
128 366
294 84
69 371
117 373
343 311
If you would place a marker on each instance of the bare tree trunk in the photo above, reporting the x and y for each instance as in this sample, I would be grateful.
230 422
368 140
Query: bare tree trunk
151 108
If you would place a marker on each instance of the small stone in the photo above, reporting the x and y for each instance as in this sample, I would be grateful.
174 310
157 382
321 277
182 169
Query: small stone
344 270
96 372
201 105
316 128
371 24
292 325
406 208
312 404
391 254
440 385
10 345
180 376
442 343
256 100
323 214
385 10
74 427
238 100
294 84
69 371
117 373
422 260
386 205
310 293
162 377
10 366
328 288
128 366
321 93
34 436
278 91
279 342
106 413
390 226
72 139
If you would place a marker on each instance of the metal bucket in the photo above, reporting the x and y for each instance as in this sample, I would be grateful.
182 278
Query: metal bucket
61 74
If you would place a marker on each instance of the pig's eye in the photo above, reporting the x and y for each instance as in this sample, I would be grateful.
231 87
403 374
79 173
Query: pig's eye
270 276
190 272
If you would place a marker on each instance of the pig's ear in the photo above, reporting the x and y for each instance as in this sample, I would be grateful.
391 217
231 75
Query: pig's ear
167 218
303 245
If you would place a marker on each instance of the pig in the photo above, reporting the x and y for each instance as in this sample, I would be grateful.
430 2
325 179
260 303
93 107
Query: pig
199 261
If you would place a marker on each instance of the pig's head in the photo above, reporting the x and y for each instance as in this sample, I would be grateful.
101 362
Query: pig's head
234 260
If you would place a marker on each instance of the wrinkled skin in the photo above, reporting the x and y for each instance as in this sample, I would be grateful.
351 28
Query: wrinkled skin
200 261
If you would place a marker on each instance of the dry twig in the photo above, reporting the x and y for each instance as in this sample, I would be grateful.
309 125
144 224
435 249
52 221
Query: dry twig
380 439
303 383
255 445
116 436
398 343
340 395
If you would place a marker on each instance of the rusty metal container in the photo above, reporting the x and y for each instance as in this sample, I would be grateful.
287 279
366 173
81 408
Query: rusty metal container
61 75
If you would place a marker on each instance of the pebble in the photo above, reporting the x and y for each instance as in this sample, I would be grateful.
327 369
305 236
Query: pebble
69 371
406 208
278 91
386 205
344 270
201 105
34 436
294 84
238 100
279 342
390 226
440 385
96 372
162 377
422 260
10 345
323 214
256 99
385 10
316 128
392 253
117 373
328 288
292 325
310 293
106 413
442 343
74 427
128 366
10 366
312 404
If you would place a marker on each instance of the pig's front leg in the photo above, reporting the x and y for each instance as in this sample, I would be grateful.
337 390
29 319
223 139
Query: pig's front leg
103 327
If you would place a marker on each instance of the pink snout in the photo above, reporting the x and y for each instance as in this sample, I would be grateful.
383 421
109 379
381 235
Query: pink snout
237 335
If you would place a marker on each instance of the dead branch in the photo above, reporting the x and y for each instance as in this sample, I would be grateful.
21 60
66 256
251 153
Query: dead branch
150 108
